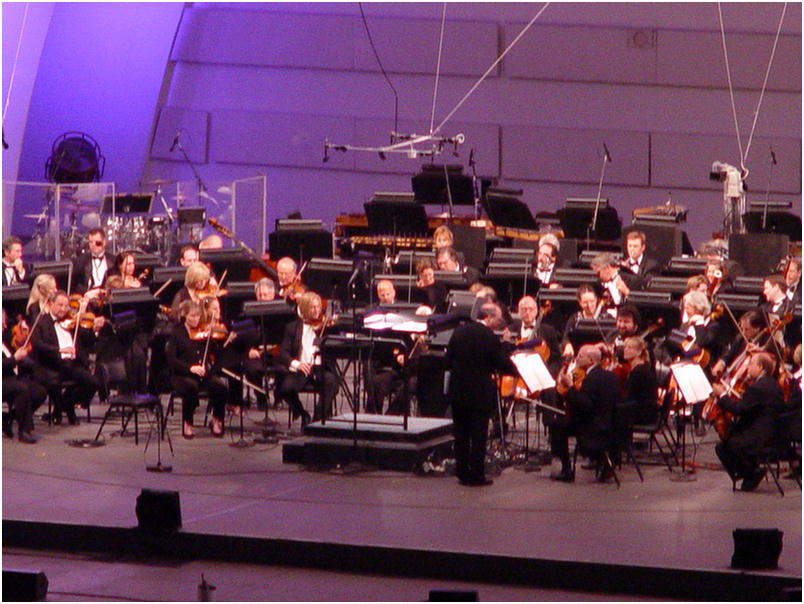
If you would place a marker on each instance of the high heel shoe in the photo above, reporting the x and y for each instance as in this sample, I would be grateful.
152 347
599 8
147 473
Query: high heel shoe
187 430
213 423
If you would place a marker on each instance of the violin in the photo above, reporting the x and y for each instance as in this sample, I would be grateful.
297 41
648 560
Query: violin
20 334
216 331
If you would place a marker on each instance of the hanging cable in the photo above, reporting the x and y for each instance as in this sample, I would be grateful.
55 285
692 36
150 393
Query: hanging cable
765 81
438 66
382 69
731 89
16 58
489 70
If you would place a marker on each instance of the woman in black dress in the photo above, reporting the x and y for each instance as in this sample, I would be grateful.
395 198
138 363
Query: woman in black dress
640 388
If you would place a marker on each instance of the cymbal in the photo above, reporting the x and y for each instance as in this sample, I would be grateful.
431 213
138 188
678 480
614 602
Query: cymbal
81 206
160 181
179 198
37 216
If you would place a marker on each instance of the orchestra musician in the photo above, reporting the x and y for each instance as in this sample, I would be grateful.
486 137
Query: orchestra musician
750 337
386 292
23 394
42 291
776 306
125 265
474 352
258 361
189 350
637 267
753 429
717 278
609 278
197 285
590 407
290 286
547 261
590 308
640 405
14 269
530 331
188 255
300 357
792 276
696 323
436 292
447 260
62 353
91 268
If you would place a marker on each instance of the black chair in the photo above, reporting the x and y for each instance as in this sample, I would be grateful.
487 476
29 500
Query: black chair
785 447
651 430
129 405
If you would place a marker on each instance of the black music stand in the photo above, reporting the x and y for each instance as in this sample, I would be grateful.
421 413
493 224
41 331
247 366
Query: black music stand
175 275
331 279
444 186
511 281
506 210
588 331
233 260
396 218
15 297
127 203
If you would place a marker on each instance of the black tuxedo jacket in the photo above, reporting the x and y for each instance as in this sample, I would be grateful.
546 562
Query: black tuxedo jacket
45 344
82 271
473 354
647 269
592 408
291 346
755 413
26 279
543 332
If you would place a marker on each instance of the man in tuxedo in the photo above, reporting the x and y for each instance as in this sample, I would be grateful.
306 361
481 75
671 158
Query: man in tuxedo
60 358
792 277
447 260
590 412
530 331
610 278
23 395
473 354
14 269
92 268
777 305
753 429
300 356
188 255
546 261
637 267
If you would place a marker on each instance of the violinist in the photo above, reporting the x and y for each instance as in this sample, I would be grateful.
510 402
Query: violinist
696 322
23 394
777 304
530 331
14 269
590 308
609 278
61 348
640 406
189 351
753 429
751 339
91 269
290 286
125 265
717 278
258 361
42 291
197 285
792 276
592 393
544 269
300 357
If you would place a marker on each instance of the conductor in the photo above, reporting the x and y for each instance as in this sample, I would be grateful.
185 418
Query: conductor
473 354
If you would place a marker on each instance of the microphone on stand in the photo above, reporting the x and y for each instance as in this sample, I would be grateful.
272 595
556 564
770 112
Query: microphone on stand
175 141
606 150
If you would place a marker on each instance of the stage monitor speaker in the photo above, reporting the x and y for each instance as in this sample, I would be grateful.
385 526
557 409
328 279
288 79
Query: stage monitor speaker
24 586
300 245
662 241
758 253
756 548
158 512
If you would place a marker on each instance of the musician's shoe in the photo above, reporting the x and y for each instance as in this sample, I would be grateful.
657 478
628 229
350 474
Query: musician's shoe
213 424
8 428
752 482
305 419
481 482
794 473
27 437
563 476
71 417
187 430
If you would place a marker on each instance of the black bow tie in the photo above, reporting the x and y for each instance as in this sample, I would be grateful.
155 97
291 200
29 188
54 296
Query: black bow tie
98 258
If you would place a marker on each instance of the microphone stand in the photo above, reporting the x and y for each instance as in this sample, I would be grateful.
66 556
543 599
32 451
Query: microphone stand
593 226
201 185
475 191
767 191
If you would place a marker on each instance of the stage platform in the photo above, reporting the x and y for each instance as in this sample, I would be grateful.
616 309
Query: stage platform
382 441
660 538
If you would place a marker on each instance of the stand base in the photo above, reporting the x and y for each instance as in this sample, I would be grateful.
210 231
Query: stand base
684 476
86 443
267 439
241 444
159 467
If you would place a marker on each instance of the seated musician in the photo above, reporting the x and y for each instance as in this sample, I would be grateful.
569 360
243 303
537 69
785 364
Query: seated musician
187 255
23 395
259 361
637 267
63 353
774 289
300 356
717 278
611 282
751 327
447 260
42 291
792 276
530 331
125 265
442 237
14 269
211 242
90 269
191 371
699 283
697 324
590 406
436 292
640 405
590 309
290 287
753 429
197 283
546 263
386 292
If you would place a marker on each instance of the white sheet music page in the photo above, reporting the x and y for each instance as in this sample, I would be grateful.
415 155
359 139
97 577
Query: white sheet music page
533 371
692 381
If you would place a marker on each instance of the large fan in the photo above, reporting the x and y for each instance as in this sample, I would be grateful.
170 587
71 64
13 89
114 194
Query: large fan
75 158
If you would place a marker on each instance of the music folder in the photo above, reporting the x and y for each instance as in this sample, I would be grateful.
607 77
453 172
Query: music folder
692 382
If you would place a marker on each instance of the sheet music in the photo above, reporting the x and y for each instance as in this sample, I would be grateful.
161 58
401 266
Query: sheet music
394 321
692 382
533 371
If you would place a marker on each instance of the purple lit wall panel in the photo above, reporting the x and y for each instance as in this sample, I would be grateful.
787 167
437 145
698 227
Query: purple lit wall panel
254 38
696 59
684 160
557 154
193 127
279 139
411 46
580 53
484 138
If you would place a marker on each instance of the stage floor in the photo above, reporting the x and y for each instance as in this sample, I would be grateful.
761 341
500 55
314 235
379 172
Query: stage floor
249 492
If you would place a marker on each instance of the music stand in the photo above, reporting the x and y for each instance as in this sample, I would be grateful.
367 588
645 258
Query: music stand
127 203
506 210
589 331
62 270
233 260
443 185
174 274
191 223
694 387
330 279
396 218
511 281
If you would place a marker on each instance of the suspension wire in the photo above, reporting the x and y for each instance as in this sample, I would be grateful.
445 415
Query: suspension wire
765 81
382 69
438 65
16 58
491 67
731 88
